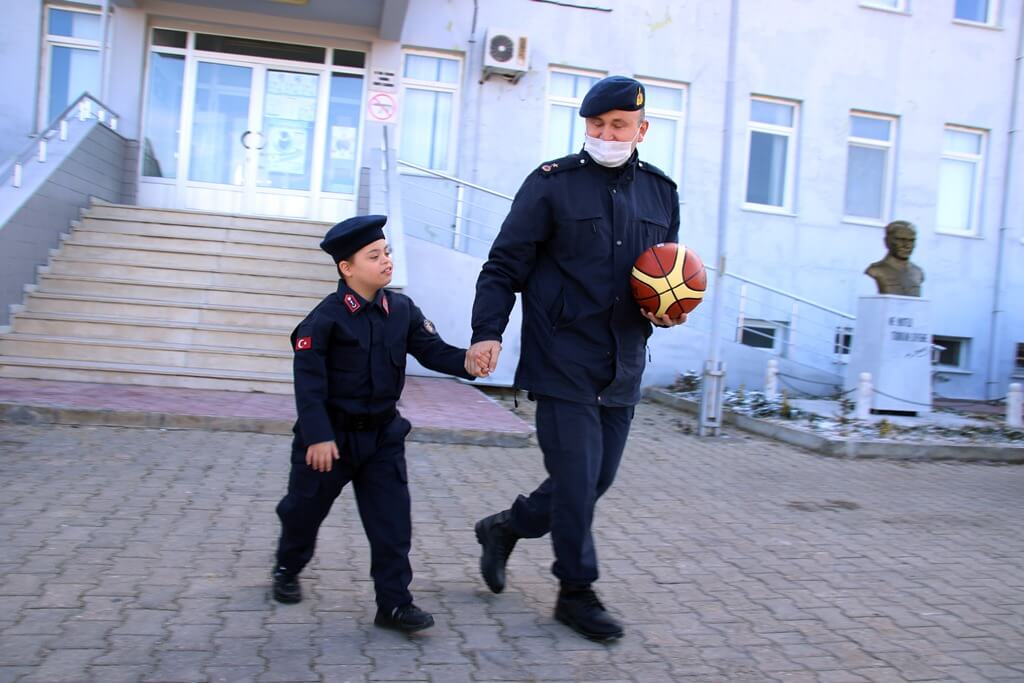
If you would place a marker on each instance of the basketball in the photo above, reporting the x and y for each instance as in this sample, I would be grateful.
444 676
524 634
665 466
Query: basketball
668 279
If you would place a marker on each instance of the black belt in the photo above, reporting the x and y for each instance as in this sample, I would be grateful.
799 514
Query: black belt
350 422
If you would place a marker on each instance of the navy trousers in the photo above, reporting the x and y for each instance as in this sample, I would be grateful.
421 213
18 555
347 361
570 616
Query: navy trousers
374 462
582 447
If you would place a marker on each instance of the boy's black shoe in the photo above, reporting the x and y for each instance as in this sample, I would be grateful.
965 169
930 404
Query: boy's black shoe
406 618
497 541
286 587
579 609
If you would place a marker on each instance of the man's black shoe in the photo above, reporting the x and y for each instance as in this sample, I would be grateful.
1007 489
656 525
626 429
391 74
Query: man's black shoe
286 587
497 541
406 618
579 609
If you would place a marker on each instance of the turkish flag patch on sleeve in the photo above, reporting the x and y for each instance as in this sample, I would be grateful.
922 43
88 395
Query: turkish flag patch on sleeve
303 343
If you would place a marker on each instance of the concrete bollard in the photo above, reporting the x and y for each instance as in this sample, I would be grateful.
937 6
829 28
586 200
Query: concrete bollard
771 380
864 396
1014 404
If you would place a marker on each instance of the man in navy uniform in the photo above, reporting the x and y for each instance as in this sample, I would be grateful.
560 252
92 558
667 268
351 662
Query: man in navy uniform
350 355
568 244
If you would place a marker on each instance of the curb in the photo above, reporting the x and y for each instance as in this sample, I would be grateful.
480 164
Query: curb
33 415
852 448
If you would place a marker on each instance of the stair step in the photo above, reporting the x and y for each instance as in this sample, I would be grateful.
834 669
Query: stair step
148 353
170 258
312 283
206 219
121 307
148 375
181 292
115 226
195 245
145 330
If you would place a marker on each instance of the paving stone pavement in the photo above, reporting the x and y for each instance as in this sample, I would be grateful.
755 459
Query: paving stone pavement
143 555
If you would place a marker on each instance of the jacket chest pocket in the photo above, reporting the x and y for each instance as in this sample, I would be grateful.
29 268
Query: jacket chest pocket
583 235
651 230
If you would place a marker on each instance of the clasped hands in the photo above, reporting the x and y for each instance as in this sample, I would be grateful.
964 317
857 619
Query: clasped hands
482 357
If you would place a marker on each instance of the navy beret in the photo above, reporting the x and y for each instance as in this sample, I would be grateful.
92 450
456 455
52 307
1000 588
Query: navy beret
614 92
351 235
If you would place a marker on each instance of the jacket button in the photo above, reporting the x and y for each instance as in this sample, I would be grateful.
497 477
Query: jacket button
618 243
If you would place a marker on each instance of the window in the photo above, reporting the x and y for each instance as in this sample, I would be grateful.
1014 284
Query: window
1018 365
663 144
72 58
762 334
843 340
771 141
960 174
977 11
430 88
565 127
895 5
869 176
163 104
953 351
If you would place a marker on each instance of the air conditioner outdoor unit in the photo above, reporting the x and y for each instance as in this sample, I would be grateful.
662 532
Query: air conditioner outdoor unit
507 54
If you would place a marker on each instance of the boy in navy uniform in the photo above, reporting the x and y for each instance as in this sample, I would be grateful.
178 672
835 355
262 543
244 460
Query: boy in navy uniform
575 228
350 355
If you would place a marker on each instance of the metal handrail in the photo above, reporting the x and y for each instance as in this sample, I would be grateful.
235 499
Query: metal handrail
802 300
58 127
436 174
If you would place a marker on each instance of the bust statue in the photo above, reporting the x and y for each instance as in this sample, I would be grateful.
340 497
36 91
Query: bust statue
895 274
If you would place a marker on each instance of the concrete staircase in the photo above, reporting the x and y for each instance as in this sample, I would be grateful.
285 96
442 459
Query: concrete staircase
170 298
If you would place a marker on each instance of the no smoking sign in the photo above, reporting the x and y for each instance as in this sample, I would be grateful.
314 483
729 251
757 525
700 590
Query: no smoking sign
382 107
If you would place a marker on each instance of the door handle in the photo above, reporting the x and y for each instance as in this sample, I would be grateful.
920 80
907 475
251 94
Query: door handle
245 139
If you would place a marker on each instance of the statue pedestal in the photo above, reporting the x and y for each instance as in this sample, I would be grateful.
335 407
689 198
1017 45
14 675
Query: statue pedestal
892 340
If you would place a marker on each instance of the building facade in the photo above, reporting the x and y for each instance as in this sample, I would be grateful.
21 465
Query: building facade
844 118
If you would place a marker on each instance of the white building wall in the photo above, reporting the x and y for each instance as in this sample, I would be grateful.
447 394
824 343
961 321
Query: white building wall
921 67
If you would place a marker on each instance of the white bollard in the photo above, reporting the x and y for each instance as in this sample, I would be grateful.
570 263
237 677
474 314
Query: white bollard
771 380
1014 404
864 394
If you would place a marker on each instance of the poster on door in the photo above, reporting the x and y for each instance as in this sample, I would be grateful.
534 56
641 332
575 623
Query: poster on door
286 148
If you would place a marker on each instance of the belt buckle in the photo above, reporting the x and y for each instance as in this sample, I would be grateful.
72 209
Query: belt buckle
360 423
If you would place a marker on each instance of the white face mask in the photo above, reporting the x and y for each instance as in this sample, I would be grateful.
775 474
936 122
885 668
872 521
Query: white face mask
610 153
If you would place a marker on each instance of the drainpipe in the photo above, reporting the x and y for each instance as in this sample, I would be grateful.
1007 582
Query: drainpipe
710 416
104 49
992 388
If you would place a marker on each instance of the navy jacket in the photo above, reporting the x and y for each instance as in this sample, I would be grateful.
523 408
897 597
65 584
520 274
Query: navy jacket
568 245
350 358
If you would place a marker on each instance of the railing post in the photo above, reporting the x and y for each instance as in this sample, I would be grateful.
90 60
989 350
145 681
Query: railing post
63 129
740 319
83 110
460 199
16 181
771 380
791 342
113 123
101 115
42 150
1014 405
864 396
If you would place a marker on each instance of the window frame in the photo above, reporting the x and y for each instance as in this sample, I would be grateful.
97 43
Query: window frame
51 41
889 186
780 334
455 89
791 133
991 21
963 354
902 6
551 100
973 229
1018 363
679 117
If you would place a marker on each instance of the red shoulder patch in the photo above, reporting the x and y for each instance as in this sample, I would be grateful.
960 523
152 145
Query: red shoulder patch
303 343
352 303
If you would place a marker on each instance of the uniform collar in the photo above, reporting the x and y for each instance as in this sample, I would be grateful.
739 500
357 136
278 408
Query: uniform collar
625 172
354 303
